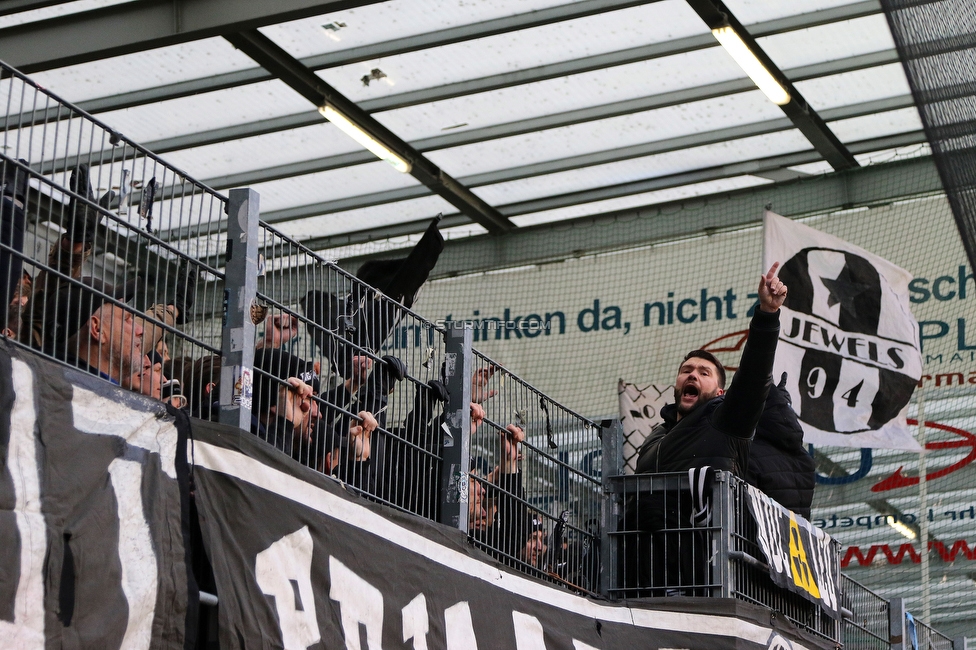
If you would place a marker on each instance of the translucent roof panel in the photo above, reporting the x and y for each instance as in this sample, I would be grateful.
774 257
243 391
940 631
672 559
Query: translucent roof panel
854 87
140 70
638 200
754 11
828 42
264 151
60 9
877 125
385 21
331 185
364 218
673 162
619 83
524 49
207 111
607 135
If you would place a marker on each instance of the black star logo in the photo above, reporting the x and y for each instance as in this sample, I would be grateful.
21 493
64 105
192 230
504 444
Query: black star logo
844 290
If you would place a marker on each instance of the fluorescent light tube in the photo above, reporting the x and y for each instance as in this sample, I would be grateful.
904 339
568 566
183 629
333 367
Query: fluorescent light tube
751 65
900 527
356 132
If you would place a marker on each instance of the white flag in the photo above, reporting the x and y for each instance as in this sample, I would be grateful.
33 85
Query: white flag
640 411
848 341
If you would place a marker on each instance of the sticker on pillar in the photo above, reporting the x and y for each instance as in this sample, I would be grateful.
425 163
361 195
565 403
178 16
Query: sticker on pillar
243 388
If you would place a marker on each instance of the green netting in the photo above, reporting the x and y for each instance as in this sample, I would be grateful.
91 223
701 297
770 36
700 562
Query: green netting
574 326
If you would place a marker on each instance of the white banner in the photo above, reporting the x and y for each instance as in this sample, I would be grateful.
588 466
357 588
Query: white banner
848 341
640 411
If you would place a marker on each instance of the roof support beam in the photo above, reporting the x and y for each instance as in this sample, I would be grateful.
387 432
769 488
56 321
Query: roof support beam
715 14
309 85
144 25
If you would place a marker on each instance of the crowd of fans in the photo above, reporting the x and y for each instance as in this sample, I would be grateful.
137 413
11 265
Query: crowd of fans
334 419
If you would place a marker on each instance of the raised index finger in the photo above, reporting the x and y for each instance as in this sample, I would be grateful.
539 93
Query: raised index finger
772 271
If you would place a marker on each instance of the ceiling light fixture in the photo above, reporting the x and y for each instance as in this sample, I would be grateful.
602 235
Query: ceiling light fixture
751 65
900 527
358 134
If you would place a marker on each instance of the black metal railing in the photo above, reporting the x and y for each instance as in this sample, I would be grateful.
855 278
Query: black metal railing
660 548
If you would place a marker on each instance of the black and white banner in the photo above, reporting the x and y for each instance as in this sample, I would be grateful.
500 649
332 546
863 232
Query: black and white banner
801 557
92 495
299 563
848 341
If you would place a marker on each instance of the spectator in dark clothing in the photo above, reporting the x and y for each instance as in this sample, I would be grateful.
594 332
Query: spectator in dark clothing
13 203
109 344
287 413
778 463
499 522
705 427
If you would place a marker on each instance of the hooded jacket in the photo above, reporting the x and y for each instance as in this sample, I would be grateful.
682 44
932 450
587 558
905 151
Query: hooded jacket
778 463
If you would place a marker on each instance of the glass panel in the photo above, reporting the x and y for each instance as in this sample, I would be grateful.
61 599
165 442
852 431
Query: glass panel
637 200
643 168
828 42
207 111
60 9
754 11
854 87
877 125
364 218
619 30
619 83
158 67
605 135
389 20
358 180
263 151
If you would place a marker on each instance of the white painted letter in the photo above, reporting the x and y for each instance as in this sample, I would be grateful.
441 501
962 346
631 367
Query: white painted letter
284 571
140 573
458 627
27 629
416 623
528 632
359 603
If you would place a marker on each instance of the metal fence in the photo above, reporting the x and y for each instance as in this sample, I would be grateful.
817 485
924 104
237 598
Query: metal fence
92 270
535 464
364 353
661 548
867 625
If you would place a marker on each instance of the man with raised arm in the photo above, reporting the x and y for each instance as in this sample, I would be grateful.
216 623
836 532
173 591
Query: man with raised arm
707 425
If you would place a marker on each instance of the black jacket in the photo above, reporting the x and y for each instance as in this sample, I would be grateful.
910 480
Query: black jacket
778 463
718 433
